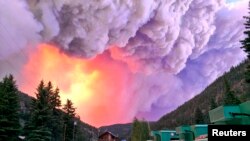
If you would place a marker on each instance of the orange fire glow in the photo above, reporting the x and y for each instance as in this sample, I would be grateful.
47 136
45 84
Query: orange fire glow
95 86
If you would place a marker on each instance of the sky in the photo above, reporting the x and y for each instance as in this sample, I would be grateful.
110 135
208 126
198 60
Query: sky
117 60
232 1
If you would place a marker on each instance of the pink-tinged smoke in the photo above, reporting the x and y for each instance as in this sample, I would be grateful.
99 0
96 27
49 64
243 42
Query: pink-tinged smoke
152 55
95 86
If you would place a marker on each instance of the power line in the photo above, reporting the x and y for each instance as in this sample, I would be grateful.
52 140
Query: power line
20 51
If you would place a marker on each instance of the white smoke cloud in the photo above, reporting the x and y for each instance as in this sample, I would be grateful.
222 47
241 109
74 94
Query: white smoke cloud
18 30
175 48
89 27
221 52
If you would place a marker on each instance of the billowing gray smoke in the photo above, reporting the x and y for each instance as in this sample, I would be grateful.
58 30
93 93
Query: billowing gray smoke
178 46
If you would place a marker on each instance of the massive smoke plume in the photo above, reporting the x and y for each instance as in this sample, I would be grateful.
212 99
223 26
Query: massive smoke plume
171 49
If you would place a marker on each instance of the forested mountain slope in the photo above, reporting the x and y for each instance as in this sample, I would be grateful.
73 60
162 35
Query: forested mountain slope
184 114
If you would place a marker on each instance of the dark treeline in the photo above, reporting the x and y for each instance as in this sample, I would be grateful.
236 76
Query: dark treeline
140 130
47 119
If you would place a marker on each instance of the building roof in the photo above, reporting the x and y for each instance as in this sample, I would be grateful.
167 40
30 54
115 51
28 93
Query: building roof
108 132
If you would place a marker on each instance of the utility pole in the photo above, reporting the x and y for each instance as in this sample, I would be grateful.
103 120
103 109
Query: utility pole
65 125
75 123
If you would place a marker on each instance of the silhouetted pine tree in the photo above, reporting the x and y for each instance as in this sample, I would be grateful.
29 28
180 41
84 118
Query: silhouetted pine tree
140 131
246 41
229 97
55 99
56 125
9 107
136 136
41 115
213 104
69 123
199 117
246 47
145 130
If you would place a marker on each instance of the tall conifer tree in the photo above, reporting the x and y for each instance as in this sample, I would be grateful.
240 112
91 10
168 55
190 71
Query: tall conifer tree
140 130
199 116
229 97
40 115
9 109
246 47
69 123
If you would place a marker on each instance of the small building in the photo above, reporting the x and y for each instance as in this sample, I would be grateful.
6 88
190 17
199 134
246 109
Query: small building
107 136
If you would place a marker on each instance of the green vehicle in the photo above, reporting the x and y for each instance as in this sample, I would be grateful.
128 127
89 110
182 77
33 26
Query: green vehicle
164 135
231 114
182 133
224 115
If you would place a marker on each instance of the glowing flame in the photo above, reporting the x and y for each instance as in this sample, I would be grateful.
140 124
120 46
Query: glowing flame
97 87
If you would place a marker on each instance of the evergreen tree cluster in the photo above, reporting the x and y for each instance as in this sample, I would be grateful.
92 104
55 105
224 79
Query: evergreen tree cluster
9 107
48 120
69 122
229 97
199 116
246 47
140 131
